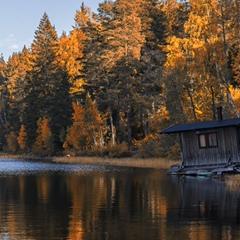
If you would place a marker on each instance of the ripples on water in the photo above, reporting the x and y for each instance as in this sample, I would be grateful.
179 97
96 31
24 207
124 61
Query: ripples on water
51 201
16 167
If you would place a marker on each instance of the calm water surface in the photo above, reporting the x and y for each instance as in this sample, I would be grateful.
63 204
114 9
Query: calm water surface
59 201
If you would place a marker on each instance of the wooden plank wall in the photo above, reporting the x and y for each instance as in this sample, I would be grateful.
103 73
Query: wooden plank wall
228 146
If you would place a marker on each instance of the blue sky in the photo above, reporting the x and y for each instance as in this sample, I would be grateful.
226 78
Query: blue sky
20 19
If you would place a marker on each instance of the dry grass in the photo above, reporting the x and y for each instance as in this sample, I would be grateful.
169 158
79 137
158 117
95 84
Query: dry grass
14 156
160 163
128 162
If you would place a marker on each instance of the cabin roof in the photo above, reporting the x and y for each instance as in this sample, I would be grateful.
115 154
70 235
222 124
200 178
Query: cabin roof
202 125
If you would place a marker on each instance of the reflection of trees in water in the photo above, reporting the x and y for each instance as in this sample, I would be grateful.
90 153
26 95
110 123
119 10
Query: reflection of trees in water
108 205
132 204
209 208
27 211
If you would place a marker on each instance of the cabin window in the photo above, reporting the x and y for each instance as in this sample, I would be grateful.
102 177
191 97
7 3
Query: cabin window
202 140
212 140
207 140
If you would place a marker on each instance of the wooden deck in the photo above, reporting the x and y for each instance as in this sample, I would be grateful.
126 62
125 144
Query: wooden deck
204 170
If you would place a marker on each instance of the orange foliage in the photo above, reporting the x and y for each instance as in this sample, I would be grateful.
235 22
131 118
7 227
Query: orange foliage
22 137
44 141
77 136
78 113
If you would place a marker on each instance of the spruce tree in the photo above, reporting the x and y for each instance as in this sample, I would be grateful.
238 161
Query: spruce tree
17 67
48 86
120 42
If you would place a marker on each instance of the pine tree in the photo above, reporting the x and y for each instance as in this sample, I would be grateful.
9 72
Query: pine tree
150 67
88 29
122 64
17 67
48 85
120 55
176 14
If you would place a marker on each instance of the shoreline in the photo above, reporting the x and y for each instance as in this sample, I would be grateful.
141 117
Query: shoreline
158 163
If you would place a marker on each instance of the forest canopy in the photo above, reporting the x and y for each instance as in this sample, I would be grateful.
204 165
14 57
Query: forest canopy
119 76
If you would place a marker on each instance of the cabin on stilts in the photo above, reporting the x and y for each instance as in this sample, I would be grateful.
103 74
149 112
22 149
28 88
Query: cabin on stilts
211 147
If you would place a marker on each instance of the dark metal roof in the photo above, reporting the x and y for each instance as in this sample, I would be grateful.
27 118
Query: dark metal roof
202 125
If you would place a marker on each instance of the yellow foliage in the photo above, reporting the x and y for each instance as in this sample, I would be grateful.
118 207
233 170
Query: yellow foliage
148 138
235 93
77 86
175 54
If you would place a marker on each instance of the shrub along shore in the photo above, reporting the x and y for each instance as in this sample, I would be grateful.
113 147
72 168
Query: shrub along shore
159 163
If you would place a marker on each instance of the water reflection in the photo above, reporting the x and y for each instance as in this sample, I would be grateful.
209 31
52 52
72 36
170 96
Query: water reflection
209 208
55 201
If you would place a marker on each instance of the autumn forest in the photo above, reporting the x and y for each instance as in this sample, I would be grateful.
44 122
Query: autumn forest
119 76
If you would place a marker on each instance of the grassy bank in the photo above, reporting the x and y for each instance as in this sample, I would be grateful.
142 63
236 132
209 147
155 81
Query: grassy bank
128 162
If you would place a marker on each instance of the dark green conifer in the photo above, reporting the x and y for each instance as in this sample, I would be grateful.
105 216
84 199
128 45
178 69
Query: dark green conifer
48 86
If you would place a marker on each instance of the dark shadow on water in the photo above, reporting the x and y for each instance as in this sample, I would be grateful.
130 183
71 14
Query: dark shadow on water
40 200
208 207
209 199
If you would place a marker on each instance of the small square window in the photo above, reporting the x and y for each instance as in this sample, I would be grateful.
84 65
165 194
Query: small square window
207 140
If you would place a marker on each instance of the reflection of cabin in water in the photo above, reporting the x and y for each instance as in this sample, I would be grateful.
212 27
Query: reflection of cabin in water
210 200
208 147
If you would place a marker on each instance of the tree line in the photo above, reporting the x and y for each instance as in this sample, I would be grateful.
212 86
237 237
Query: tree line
120 76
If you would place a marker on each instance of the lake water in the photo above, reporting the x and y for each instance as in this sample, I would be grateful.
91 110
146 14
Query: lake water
59 201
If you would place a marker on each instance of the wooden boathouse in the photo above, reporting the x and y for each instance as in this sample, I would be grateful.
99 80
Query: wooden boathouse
207 147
